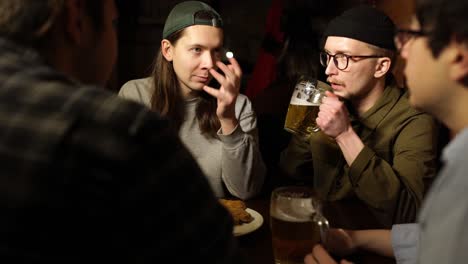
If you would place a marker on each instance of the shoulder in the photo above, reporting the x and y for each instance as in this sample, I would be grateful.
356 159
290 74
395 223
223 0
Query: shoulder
111 126
139 90
244 103
244 107
99 106
404 109
404 117
138 83
245 113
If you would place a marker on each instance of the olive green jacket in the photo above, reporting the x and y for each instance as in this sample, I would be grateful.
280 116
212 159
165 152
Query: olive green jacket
387 175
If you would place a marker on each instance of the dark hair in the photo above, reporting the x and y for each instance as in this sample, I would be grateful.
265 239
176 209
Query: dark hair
95 10
29 21
167 100
297 58
443 20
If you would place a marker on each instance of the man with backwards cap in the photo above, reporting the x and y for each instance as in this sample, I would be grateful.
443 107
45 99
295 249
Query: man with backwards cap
218 125
372 146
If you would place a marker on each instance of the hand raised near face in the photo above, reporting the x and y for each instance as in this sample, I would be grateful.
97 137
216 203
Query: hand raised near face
227 94
333 118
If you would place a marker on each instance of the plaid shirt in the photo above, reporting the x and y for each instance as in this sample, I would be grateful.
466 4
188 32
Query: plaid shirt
85 175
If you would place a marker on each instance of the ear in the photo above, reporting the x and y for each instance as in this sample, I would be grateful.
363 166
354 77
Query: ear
167 49
382 67
459 69
74 20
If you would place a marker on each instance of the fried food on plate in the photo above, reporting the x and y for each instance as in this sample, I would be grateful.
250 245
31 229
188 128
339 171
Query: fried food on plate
237 210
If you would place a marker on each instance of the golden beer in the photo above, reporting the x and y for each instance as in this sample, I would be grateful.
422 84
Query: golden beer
292 240
300 119
296 223
304 106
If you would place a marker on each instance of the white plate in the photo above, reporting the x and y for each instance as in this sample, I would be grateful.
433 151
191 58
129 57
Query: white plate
240 230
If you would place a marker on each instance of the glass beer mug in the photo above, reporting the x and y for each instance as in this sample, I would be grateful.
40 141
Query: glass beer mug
304 106
296 223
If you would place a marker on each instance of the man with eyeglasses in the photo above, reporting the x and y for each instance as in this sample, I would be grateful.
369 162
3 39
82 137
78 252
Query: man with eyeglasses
373 146
435 48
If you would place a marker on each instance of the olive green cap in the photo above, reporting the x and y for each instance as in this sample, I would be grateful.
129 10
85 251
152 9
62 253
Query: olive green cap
190 13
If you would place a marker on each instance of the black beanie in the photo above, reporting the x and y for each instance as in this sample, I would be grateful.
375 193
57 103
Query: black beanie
363 23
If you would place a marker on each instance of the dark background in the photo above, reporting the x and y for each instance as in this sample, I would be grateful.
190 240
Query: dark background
141 23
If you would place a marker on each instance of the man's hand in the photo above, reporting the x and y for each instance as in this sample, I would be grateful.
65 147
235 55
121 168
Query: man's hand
333 117
227 94
320 256
340 241
333 120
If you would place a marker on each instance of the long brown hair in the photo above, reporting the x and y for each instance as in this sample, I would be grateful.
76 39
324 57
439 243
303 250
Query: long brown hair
167 100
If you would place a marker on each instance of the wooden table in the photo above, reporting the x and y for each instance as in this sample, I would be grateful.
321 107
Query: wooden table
257 245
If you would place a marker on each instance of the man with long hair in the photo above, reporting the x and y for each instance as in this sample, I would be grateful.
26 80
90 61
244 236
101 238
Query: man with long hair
218 125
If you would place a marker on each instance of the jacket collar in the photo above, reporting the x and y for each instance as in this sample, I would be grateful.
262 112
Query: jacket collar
369 121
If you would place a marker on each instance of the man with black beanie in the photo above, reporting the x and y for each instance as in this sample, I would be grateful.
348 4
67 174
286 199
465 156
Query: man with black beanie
435 47
373 146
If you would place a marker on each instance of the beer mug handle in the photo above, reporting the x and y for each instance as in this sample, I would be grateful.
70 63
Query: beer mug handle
323 224
316 128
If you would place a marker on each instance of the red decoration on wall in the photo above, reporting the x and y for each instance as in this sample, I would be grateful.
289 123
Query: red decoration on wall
264 71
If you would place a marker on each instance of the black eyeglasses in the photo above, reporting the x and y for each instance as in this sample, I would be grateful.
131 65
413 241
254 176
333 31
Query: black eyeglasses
402 36
341 60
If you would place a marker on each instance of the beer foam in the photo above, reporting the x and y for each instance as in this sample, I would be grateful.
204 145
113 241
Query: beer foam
293 209
295 101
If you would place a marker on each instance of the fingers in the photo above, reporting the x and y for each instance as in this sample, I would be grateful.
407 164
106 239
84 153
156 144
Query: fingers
218 76
319 256
230 82
339 242
330 94
331 100
326 114
322 255
211 91
223 67
331 107
310 259
232 70
235 67
322 120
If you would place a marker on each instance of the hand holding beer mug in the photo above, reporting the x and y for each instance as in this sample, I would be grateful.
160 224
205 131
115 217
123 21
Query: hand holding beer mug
296 223
304 106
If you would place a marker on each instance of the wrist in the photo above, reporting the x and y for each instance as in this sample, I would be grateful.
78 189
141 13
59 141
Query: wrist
228 125
345 135
355 241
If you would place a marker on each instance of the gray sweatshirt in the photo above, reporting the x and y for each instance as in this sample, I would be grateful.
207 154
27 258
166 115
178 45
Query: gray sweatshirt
233 160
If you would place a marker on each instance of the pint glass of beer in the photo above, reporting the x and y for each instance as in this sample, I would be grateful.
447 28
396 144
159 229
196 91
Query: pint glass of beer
296 223
304 106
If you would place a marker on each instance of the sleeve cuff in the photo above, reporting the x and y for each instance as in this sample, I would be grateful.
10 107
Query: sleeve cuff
405 241
233 139
359 165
